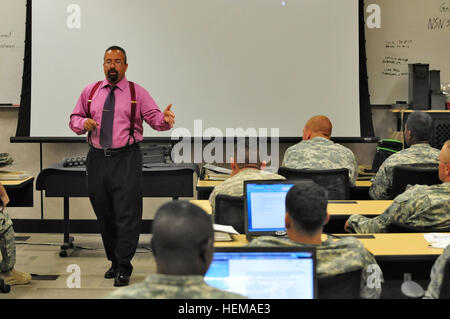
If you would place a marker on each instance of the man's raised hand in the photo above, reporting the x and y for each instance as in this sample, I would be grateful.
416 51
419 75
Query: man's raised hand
169 116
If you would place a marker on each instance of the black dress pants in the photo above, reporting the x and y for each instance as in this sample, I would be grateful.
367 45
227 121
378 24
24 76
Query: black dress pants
115 192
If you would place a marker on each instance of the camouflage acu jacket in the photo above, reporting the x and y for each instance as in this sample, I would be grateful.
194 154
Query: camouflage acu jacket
157 286
234 186
337 257
437 274
5 222
321 153
420 206
415 154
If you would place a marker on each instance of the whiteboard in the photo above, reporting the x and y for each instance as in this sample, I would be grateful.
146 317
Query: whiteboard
412 31
12 45
250 64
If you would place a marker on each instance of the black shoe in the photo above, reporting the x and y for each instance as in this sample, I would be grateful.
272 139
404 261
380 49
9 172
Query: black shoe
111 273
121 280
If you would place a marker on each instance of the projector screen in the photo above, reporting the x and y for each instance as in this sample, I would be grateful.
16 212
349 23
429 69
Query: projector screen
258 64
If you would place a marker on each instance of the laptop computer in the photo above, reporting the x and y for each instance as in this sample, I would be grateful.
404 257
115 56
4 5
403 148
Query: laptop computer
265 272
264 207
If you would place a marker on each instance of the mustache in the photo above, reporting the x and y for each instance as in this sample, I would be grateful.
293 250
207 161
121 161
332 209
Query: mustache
113 75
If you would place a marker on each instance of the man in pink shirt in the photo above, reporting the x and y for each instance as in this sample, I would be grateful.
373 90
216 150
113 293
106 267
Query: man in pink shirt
114 162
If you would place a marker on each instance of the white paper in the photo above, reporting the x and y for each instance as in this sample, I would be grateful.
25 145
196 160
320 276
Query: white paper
437 240
225 229
442 245
217 169
437 237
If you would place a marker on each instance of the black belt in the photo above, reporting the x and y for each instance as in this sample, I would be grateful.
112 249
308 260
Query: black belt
114 151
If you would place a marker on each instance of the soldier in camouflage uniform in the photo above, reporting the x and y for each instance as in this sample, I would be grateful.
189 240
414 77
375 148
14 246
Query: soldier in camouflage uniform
317 151
5 159
182 245
417 135
306 213
437 275
437 272
420 206
8 247
250 169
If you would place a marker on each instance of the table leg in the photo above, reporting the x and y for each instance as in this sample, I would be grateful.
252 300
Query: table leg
68 240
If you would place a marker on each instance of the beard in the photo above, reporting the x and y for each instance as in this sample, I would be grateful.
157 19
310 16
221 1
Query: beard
113 75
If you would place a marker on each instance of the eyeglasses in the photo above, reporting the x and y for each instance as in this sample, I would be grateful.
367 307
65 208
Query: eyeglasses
116 62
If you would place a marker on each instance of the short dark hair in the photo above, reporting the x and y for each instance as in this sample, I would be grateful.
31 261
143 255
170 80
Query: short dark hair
116 47
180 229
248 147
306 204
420 123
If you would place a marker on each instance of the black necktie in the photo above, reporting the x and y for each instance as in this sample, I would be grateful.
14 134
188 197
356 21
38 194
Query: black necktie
107 119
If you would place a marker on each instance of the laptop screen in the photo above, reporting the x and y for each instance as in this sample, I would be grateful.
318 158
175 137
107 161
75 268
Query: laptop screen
264 203
264 273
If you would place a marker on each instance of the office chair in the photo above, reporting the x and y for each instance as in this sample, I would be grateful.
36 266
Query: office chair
342 286
412 289
445 287
441 131
335 181
229 210
413 174
396 227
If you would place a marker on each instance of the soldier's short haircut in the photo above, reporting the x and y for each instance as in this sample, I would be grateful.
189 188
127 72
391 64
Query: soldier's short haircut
420 123
246 151
306 204
180 229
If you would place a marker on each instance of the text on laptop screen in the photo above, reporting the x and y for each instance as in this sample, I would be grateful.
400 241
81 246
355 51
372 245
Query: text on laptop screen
266 206
264 275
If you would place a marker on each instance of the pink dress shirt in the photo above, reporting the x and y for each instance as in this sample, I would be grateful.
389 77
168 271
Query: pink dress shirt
146 110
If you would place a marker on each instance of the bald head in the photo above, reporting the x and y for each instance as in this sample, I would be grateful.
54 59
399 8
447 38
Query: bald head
318 125
445 152
444 163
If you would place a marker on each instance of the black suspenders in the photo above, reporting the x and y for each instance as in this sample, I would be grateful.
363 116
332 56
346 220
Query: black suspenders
132 113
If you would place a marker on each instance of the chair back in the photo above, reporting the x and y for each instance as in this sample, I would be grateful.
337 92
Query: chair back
335 181
229 210
342 286
445 287
412 175
441 131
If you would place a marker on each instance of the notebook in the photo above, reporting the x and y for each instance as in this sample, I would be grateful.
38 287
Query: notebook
264 207
265 272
